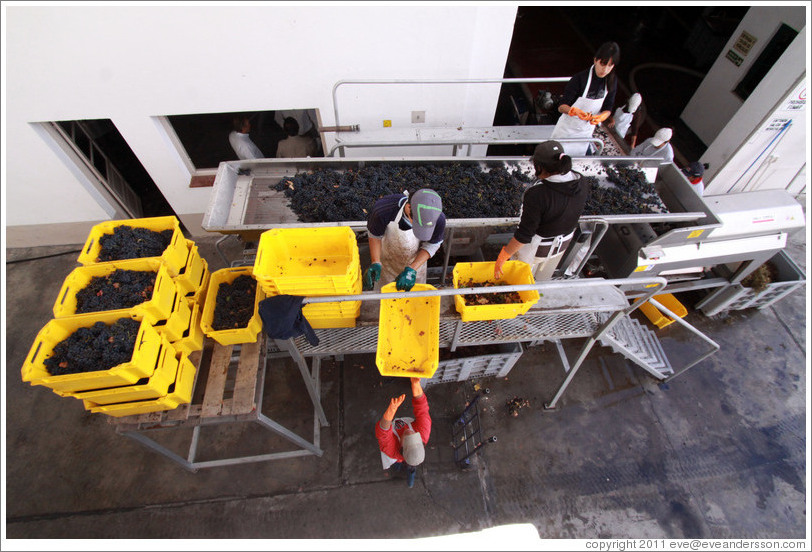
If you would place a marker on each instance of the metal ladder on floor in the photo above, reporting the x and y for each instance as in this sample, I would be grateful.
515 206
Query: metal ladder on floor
638 344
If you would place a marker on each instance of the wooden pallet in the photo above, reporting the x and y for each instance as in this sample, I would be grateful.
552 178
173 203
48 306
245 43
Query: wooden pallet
227 384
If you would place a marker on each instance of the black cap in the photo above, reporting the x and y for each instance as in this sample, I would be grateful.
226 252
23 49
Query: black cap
548 153
694 169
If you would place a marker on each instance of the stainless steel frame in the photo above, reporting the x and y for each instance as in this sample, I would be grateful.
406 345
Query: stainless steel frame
137 432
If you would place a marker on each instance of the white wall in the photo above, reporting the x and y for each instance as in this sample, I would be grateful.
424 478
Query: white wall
131 64
717 87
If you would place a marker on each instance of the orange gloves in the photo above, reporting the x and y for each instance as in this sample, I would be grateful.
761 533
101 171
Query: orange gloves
600 117
580 113
500 261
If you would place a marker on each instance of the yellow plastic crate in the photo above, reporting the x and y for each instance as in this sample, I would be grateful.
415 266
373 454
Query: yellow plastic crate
312 288
193 337
157 385
513 273
159 305
318 259
142 363
658 318
180 392
409 334
238 335
174 325
174 256
193 276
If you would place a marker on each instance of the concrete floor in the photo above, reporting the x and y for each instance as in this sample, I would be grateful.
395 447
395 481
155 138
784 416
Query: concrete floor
720 452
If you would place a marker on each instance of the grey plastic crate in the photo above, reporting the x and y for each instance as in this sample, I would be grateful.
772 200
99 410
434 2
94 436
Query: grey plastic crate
467 368
737 297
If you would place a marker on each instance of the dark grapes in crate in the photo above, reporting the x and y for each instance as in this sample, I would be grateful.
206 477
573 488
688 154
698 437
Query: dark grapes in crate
234 305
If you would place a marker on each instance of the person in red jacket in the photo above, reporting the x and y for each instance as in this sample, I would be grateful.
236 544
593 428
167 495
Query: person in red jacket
402 440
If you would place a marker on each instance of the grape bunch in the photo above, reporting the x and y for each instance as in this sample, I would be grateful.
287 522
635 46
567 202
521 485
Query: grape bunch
98 347
467 191
127 242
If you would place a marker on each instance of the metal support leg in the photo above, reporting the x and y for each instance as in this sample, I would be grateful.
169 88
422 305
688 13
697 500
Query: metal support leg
219 251
457 331
311 389
150 444
584 351
265 421
193 445
561 353
447 254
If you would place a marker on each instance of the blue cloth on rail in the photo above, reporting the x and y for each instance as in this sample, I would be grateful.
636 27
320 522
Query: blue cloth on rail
282 318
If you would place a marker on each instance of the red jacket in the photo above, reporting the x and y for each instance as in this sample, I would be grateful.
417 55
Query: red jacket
389 444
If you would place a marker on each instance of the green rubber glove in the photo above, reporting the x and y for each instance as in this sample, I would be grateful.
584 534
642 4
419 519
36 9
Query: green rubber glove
372 275
406 279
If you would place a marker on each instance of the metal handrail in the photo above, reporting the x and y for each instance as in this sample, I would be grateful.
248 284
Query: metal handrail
599 143
432 81
596 141
715 346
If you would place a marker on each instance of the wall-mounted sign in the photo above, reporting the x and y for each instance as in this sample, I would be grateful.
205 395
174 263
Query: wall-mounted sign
744 43
734 57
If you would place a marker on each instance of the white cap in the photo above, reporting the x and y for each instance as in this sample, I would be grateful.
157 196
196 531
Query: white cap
661 137
634 102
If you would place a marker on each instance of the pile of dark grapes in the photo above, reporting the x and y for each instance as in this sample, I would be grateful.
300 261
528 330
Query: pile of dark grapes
631 194
99 347
327 195
127 242
234 305
121 289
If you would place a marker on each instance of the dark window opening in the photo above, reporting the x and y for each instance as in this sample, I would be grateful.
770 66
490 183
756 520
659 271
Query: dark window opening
103 146
765 61
204 136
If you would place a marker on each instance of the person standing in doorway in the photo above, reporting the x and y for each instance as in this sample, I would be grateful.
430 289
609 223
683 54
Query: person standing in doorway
241 142
295 145
402 440
587 101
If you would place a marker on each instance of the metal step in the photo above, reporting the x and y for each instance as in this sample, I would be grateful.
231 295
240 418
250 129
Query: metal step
639 345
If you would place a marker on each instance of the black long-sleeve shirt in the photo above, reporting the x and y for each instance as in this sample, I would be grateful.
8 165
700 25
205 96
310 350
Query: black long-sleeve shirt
552 208
575 89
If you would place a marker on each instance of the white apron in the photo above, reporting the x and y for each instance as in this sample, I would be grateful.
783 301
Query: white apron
573 127
623 121
543 267
387 460
398 250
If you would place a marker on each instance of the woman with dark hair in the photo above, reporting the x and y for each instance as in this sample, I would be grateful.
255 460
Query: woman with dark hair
587 100
549 215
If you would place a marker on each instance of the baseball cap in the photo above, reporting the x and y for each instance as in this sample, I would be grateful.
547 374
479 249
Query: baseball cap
413 450
694 170
426 209
634 102
548 153
662 136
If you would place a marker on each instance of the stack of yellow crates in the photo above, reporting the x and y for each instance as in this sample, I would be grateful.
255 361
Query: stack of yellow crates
159 375
312 262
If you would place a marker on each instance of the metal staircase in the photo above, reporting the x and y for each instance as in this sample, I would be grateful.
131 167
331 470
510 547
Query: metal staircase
640 345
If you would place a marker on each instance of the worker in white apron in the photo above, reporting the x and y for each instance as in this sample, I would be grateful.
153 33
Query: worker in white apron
402 440
580 113
624 115
549 214
404 233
